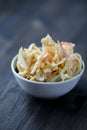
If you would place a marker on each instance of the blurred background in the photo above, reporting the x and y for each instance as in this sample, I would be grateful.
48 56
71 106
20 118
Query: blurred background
21 23
25 21
30 20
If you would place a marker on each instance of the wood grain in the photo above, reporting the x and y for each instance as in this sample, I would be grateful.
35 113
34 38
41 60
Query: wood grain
24 22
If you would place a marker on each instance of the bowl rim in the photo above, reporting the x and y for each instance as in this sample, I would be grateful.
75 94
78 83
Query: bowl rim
35 82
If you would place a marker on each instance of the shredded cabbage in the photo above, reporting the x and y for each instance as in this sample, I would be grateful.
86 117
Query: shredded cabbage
53 62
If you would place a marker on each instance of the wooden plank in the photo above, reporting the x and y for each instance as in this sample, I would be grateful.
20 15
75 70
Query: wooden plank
18 110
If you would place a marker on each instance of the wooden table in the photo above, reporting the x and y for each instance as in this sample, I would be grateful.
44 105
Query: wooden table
24 22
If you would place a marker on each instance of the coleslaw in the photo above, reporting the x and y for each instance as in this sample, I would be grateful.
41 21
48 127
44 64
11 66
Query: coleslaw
53 62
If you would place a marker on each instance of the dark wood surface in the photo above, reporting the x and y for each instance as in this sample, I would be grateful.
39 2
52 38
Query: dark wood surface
24 22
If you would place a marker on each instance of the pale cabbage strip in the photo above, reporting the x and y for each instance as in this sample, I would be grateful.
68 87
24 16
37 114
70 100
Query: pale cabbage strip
53 62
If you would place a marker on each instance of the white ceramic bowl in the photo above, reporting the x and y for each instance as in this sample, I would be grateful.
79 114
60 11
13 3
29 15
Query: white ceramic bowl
47 90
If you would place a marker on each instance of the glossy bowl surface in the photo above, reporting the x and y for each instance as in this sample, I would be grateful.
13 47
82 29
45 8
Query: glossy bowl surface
47 90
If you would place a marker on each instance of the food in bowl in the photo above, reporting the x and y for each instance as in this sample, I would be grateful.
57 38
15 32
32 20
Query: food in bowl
52 62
